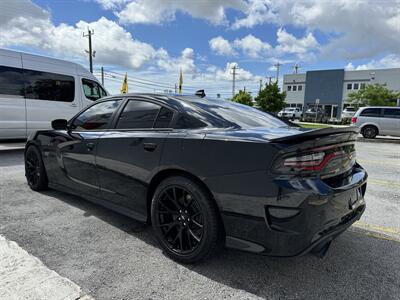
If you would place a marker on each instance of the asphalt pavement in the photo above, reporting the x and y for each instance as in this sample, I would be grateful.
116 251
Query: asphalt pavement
110 256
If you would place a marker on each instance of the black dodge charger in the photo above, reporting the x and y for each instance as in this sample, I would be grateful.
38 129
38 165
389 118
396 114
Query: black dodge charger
205 173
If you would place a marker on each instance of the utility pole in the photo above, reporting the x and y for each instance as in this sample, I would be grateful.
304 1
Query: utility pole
176 90
102 76
90 52
296 67
277 65
234 68
269 80
244 89
260 85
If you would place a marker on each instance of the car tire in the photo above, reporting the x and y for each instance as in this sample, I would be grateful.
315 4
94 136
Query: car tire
369 132
186 220
35 171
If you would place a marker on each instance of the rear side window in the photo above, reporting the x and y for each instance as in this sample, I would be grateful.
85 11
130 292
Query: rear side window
188 122
391 113
164 118
371 112
96 116
138 114
49 86
92 90
11 81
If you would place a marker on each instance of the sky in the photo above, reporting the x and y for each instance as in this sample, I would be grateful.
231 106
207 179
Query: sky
152 40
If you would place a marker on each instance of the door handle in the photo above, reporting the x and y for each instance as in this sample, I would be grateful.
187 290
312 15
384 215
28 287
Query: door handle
90 146
149 146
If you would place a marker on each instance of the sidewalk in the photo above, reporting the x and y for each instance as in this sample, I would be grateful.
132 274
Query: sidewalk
23 276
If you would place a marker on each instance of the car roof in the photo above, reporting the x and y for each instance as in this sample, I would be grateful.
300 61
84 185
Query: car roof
364 107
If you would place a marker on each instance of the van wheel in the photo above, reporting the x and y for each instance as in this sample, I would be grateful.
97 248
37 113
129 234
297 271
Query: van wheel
369 132
34 169
185 220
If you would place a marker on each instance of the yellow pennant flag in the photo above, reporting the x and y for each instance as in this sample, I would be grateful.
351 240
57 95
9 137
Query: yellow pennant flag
180 82
124 88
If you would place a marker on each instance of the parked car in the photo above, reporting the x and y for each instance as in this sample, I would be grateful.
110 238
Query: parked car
35 90
205 173
315 114
347 113
291 113
374 121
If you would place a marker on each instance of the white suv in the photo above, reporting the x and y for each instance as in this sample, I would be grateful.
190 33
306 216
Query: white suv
291 113
374 121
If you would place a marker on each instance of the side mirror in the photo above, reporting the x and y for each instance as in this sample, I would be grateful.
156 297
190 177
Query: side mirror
59 124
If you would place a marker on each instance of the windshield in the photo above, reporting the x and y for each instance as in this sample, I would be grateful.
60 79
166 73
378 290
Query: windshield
240 115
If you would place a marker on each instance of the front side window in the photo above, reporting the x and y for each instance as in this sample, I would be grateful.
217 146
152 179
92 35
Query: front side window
138 114
49 86
371 112
392 113
11 81
92 90
96 116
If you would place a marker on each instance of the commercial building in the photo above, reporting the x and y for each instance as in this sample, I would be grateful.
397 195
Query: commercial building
332 87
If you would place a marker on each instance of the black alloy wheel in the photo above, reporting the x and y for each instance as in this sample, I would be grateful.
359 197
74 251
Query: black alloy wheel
369 132
34 169
185 220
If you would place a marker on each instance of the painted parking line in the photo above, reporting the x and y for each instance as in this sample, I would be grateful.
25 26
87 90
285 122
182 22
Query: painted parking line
378 231
386 183
378 162
23 276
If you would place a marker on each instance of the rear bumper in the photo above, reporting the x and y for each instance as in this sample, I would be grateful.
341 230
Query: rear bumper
321 213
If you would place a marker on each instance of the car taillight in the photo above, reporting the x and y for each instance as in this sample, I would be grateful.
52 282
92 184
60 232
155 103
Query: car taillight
354 120
310 162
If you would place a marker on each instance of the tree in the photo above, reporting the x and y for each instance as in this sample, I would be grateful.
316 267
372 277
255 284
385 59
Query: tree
243 97
374 95
271 99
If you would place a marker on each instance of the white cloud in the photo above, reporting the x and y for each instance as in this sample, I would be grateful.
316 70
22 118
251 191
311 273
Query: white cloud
288 43
225 74
29 25
112 4
185 62
221 46
388 61
159 11
252 46
288 48
355 29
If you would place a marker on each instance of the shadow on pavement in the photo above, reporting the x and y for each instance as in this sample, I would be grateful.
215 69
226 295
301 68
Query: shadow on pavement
8 158
356 266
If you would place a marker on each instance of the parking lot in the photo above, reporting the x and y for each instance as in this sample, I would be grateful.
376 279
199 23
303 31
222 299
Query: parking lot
110 256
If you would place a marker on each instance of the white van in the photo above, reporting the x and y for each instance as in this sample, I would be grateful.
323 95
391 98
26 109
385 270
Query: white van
35 90
375 120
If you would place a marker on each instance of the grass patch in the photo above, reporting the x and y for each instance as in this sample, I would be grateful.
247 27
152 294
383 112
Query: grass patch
314 126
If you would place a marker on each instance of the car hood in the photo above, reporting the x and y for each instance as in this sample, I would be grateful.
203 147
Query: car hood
281 134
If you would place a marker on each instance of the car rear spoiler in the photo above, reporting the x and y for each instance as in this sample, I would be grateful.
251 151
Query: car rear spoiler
352 131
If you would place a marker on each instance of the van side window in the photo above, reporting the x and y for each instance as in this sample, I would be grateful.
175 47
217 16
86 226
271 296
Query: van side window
11 81
392 113
49 86
371 112
92 90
